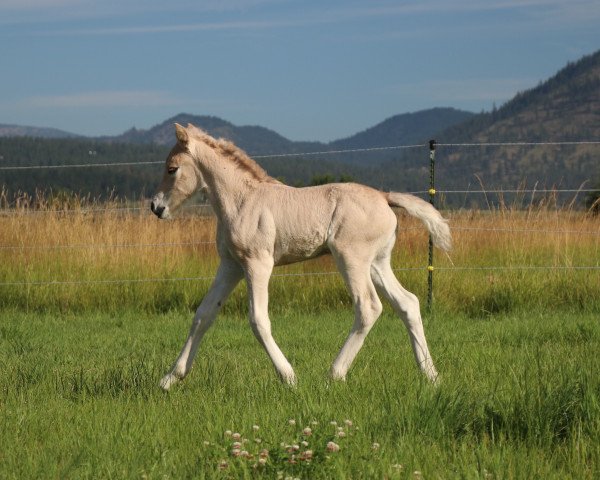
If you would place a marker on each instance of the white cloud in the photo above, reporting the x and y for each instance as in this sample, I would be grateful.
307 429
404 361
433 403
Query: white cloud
112 99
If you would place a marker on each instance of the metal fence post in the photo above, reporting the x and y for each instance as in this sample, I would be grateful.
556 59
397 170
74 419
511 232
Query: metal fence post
432 201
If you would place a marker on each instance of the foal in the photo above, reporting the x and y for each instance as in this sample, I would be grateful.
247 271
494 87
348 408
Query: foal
262 223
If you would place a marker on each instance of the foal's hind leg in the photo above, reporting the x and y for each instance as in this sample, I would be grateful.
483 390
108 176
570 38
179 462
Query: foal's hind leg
406 305
228 276
367 308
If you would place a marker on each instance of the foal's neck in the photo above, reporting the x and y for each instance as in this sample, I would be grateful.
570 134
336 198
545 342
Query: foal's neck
227 184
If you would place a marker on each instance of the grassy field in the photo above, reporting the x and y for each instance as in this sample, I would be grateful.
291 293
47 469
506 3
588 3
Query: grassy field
519 398
94 307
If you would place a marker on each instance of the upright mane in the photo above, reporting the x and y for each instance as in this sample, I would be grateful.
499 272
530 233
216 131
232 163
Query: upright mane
235 154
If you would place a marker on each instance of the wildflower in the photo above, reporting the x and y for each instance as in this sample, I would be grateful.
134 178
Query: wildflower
398 466
314 423
228 433
245 454
304 443
333 447
206 443
307 432
264 453
262 461
237 445
417 474
223 465
258 440
235 452
348 422
256 428
306 455
341 434
291 421
333 422
236 436
375 446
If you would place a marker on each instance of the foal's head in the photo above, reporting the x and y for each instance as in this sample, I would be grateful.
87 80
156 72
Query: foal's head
181 178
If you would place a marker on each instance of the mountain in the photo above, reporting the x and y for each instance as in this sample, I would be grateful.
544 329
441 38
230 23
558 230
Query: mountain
254 139
564 108
405 129
36 132
397 130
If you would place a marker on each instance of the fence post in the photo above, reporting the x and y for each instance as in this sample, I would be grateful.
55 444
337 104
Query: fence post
432 201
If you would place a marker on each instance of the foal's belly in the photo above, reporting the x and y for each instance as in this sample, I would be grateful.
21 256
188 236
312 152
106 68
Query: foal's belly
299 247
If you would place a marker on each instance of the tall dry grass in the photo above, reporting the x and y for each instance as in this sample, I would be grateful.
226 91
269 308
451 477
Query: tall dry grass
74 253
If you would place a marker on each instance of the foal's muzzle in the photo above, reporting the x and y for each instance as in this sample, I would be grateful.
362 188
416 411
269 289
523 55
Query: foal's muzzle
157 209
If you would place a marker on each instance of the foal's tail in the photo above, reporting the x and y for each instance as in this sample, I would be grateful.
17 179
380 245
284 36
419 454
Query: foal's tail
424 211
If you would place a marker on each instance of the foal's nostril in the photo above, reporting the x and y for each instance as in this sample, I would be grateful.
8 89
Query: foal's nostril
157 209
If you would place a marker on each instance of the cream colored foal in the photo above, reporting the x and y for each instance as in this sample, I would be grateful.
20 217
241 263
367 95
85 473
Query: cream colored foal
263 223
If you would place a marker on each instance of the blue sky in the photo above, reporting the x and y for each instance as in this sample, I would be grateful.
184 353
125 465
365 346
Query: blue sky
310 70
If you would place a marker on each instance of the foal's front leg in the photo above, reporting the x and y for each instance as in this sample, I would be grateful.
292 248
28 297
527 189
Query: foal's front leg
258 272
228 276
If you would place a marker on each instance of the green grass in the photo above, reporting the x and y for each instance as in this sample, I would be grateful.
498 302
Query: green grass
519 397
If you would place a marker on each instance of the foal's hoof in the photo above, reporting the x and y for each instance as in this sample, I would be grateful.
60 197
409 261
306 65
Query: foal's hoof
288 378
337 376
168 380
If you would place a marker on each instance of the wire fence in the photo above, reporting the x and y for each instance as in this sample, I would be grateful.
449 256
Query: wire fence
206 208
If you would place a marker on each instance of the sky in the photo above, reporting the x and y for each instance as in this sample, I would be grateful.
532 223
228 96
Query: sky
310 70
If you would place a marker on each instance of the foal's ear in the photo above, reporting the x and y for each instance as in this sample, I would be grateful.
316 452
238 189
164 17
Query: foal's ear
182 134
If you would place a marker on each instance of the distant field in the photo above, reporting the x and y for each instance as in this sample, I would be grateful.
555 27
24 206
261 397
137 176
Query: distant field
502 261
519 398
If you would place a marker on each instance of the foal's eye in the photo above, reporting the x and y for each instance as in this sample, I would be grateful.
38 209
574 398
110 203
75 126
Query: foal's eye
172 170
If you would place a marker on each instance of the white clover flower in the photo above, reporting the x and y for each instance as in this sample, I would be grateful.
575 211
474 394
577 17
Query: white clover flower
236 436
262 460
228 433
375 446
307 432
307 455
304 443
341 434
256 428
348 422
223 465
264 453
333 422
333 447
291 421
